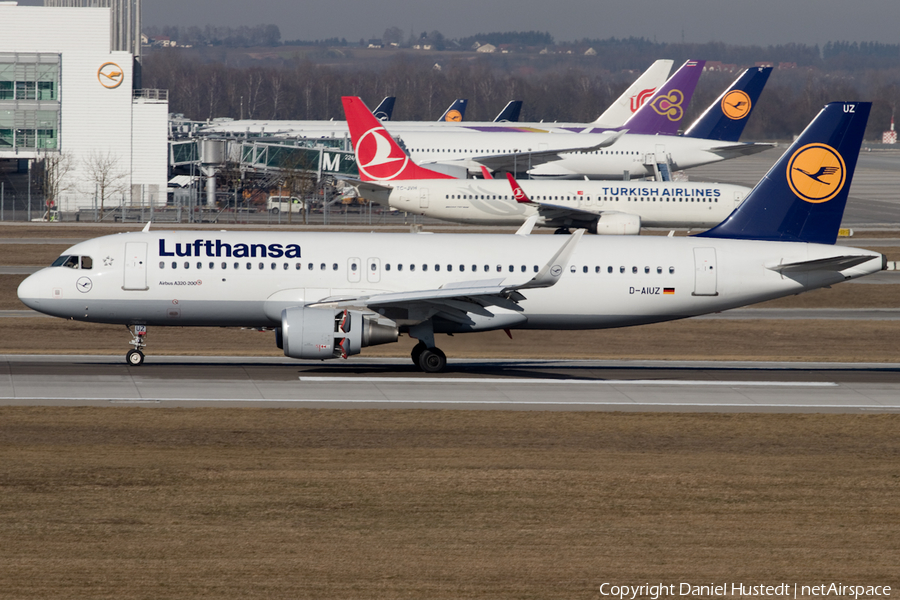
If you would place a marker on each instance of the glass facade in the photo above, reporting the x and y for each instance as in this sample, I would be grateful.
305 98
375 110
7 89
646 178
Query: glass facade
29 100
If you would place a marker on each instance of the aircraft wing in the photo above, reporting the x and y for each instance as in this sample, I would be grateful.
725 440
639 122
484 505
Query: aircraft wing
521 161
736 150
455 301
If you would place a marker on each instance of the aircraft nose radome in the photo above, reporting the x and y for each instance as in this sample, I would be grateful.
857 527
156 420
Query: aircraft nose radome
29 292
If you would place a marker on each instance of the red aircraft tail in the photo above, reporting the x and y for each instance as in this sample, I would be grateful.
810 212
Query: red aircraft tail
378 156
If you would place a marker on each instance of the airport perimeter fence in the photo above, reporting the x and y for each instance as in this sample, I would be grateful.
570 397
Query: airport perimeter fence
24 208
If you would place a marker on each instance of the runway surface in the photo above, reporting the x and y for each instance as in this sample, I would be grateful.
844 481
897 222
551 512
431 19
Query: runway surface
658 386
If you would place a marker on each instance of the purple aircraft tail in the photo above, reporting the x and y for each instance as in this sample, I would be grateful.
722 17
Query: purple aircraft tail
663 112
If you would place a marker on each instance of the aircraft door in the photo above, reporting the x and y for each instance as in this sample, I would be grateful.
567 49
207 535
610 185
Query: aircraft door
423 198
354 270
135 266
705 281
373 270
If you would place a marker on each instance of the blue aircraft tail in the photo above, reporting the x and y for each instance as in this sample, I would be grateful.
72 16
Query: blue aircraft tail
802 197
385 110
725 119
456 112
510 112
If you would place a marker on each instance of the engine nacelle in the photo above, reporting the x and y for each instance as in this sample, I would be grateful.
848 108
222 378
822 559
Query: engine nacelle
616 223
321 333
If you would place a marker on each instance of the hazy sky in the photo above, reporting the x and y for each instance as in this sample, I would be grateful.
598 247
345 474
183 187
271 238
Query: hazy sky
761 22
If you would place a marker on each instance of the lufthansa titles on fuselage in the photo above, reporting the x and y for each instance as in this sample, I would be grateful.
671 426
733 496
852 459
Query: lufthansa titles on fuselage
218 248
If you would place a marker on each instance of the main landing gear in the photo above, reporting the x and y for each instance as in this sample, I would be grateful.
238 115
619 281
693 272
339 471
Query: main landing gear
563 231
430 360
135 357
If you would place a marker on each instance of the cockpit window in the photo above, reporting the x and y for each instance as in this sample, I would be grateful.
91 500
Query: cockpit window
74 262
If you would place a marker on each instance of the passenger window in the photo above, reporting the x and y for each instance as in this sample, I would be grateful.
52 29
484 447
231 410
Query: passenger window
437 267
646 269
535 268
621 269
322 267
187 265
584 269
671 270
285 266
352 266
511 269
634 270
297 266
462 268
199 265
658 270
174 265
237 265
412 267
310 266
212 265
261 266
499 268
249 266
609 269
86 262
224 265
162 265
449 268
399 266
424 267
523 268
572 269
373 267
486 268
334 267
273 266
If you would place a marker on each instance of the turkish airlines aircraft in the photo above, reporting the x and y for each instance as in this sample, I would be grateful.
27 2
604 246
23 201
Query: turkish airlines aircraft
388 177
616 115
331 294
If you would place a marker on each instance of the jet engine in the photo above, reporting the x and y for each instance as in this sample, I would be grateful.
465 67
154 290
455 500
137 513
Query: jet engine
322 333
616 223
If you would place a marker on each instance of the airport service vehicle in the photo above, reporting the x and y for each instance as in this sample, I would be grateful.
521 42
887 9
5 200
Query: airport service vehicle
277 204
329 295
389 178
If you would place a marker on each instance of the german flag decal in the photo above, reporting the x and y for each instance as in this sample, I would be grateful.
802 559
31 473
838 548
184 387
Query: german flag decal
668 290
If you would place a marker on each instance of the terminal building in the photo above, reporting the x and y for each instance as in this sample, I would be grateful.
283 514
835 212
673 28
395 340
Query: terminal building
72 107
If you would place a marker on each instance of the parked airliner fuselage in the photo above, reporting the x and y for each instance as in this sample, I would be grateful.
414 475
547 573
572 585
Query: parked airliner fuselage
490 201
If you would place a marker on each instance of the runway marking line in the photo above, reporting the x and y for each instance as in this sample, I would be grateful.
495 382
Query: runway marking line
672 382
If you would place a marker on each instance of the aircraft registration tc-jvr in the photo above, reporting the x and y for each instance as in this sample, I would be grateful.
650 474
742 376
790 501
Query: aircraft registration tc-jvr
330 294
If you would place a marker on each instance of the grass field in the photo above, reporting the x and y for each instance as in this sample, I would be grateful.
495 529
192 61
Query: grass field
214 503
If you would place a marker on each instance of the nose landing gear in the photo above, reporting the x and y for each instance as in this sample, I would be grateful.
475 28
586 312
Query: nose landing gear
135 357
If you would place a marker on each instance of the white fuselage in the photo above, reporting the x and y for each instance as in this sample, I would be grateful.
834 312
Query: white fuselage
490 201
212 278
458 145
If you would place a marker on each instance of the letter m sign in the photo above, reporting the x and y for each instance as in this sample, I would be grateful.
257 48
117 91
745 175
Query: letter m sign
331 162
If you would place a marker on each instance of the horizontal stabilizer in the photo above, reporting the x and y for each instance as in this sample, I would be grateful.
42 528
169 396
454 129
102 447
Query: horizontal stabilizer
834 263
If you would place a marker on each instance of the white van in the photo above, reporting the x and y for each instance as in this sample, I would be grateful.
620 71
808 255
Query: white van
277 204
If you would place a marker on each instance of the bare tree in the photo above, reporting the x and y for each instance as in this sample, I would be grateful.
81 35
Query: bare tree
104 176
53 170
